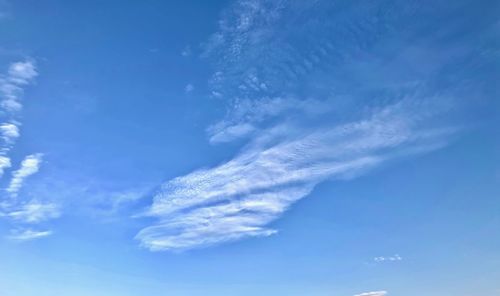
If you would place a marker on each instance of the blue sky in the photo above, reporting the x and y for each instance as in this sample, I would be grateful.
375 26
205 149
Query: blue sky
249 147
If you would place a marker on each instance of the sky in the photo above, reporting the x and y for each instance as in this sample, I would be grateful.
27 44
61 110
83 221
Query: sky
249 147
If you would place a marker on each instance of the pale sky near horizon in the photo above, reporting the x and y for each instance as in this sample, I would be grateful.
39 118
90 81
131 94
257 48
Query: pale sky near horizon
249 147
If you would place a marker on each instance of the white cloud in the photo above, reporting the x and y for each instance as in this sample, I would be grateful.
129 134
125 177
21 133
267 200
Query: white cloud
255 54
9 131
375 293
239 198
189 88
389 258
214 224
111 203
28 234
29 166
245 115
4 164
216 94
35 212
293 140
229 133
22 72
18 75
11 105
11 85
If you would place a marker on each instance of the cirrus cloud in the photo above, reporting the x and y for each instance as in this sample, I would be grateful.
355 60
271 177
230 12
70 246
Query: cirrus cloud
375 293
311 101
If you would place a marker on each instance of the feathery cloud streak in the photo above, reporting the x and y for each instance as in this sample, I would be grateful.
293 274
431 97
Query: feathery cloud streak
11 86
35 212
375 293
19 211
9 132
28 234
239 198
310 107
19 75
29 166
390 258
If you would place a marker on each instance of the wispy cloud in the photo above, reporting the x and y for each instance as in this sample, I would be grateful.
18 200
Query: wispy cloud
4 164
18 210
326 98
389 258
9 132
189 88
22 72
224 132
242 196
28 234
247 115
11 85
375 293
19 74
260 49
29 166
35 212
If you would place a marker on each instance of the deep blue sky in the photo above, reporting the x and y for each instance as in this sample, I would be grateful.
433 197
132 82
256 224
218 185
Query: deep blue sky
249 147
